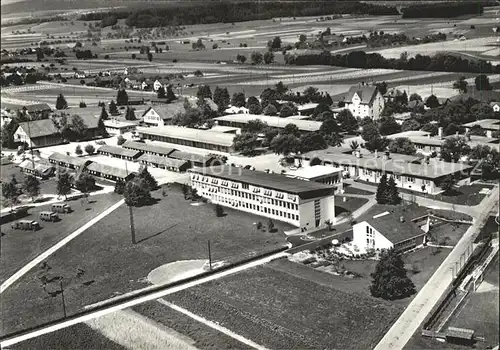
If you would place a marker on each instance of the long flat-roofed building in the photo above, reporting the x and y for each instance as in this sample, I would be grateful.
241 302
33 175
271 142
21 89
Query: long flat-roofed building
205 139
489 125
164 162
240 120
119 152
410 172
324 174
148 148
69 162
305 204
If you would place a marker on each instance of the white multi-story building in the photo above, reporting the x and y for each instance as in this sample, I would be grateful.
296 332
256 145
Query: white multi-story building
305 204
365 101
324 174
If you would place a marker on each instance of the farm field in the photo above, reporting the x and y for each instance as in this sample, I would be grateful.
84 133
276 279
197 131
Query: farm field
19 247
104 252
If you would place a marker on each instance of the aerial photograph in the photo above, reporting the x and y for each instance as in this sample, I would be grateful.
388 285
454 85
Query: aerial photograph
250 174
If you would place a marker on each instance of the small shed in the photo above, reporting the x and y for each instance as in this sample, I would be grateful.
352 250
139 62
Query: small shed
462 336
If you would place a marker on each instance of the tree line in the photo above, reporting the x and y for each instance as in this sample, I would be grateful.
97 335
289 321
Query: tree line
443 10
234 12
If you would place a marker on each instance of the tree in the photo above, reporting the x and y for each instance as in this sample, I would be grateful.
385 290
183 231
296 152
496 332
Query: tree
448 183
11 191
122 98
204 92
268 57
415 97
275 43
85 183
78 150
281 88
130 114
454 148
89 149
482 82
221 98
270 225
285 144
432 102
392 191
370 130
270 110
150 56
410 124
61 102
377 143
104 114
246 143
256 57
312 94
286 112
119 187
161 92
238 99
402 145
254 126
461 85
302 38
113 109
241 58
185 190
382 195
312 141
254 109
219 210
78 127
347 121
64 181
390 280
482 111
136 192
148 178
120 140
170 93
388 126
430 127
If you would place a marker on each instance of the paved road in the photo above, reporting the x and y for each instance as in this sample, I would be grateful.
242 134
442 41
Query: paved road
421 305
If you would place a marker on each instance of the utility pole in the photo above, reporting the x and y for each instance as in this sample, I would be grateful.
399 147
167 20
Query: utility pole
29 136
209 256
62 296
131 214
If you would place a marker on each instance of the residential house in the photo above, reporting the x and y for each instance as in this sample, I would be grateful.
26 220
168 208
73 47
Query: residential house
162 114
38 133
80 75
392 94
304 204
38 108
387 230
364 101
158 84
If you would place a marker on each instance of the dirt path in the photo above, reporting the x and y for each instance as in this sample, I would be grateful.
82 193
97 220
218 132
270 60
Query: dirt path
134 331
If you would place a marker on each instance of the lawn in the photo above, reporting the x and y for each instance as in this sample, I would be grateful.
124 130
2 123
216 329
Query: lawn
463 195
353 190
19 247
279 310
446 233
79 336
204 336
171 230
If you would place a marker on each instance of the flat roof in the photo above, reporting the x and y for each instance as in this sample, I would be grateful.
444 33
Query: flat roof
148 147
490 124
109 170
125 152
190 156
275 122
314 171
117 124
409 133
224 129
195 135
277 182
397 164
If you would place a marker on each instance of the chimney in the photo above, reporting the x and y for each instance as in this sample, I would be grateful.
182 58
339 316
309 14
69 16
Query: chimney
456 134
387 155
440 132
376 153
402 219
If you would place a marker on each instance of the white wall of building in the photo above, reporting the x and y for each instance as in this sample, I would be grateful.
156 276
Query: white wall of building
372 110
367 237
151 117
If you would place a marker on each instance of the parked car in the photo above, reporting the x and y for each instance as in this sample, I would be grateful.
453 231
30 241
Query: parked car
26 225
61 208
49 216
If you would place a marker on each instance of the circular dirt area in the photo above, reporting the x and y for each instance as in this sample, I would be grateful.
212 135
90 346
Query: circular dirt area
176 271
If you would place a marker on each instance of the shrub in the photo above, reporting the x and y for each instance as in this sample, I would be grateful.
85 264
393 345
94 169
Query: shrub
219 210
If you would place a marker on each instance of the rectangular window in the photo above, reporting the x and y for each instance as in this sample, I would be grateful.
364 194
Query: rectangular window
367 229
245 186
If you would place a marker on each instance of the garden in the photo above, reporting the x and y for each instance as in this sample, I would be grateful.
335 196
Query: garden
102 262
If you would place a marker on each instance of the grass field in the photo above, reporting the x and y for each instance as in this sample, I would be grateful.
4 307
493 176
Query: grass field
78 336
168 231
353 190
279 310
19 247
447 233
350 205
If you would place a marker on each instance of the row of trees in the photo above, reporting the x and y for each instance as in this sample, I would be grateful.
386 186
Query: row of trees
361 59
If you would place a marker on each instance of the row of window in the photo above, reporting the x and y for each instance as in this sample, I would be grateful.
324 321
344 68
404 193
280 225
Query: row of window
369 231
249 196
255 207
